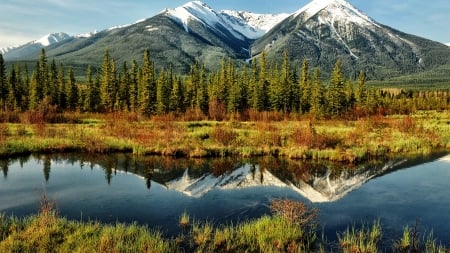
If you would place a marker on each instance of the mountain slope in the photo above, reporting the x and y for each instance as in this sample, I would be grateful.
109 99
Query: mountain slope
326 30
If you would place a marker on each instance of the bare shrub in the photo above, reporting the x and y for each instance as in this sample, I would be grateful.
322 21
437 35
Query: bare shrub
217 110
406 124
3 132
295 212
223 135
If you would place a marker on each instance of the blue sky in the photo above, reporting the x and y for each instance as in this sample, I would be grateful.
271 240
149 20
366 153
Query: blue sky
22 21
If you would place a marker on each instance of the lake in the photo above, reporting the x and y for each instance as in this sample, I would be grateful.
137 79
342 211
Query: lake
156 190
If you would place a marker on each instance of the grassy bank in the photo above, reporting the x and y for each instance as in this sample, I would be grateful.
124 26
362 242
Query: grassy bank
292 227
303 138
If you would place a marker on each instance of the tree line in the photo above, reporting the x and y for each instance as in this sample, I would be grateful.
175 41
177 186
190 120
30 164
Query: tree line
259 86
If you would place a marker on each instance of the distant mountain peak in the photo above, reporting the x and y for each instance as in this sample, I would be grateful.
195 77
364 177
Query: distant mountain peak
52 38
194 10
336 9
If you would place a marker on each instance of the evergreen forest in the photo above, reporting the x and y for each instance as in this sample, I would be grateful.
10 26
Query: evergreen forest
259 86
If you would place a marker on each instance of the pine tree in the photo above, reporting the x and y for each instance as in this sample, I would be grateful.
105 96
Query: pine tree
263 85
53 83
72 92
62 88
33 98
336 95
253 87
133 92
317 95
161 93
286 84
12 89
124 89
147 86
234 93
361 90
176 96
3 85
275 89
305 88
89 102
42 75
202 93
107 79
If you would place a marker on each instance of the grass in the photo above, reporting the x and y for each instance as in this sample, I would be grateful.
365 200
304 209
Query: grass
337 140
47 232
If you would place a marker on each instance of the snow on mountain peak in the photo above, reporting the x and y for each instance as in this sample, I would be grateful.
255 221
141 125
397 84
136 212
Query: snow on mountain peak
195 10
250 24
50 39
337 10
448 44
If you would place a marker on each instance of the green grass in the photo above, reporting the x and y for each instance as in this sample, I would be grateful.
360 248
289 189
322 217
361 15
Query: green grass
47 232
338 140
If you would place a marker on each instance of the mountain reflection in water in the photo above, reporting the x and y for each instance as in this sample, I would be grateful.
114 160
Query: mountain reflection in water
318 182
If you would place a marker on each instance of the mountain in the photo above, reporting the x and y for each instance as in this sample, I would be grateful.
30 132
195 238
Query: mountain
319 188
447 44
322 32
34 47
178 37
326 30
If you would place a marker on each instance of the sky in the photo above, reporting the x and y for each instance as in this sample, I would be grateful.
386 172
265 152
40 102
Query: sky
22 21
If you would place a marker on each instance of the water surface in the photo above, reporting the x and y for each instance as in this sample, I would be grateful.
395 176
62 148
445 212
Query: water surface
155 191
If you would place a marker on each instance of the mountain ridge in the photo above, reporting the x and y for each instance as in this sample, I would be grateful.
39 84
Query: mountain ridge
322 32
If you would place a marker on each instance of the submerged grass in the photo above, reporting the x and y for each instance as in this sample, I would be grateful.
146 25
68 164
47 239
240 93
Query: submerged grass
337 140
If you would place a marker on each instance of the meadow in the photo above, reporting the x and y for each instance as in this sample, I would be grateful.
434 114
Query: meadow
266 134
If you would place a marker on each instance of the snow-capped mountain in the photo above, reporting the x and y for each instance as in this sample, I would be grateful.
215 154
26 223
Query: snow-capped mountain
447 44
238 23
199 11
35 46
326 30
326 187
322 32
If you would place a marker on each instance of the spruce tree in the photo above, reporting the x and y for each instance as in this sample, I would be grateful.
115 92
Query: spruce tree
147 86
124 89
33 102
161 93
336 95
62 87
202 93
12 89
361 90
53 83
176 96
107 79
133 92
263 85
3 85
72 92
305 88
42 75
317 95
286 84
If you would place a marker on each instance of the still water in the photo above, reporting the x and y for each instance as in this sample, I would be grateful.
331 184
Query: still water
155 191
